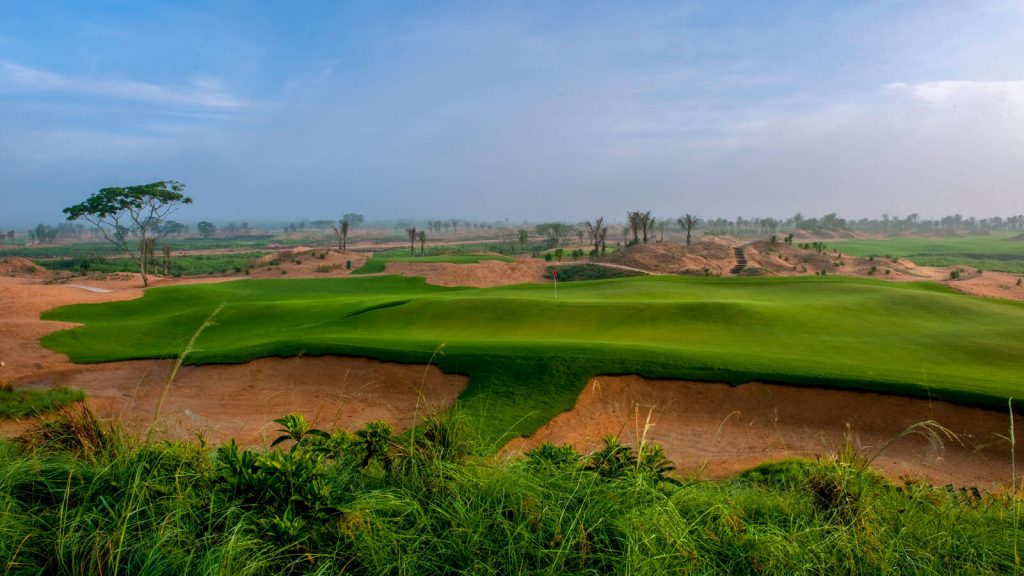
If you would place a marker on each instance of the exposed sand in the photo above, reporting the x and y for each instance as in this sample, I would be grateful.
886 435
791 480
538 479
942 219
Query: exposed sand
241 401
482 274
718 430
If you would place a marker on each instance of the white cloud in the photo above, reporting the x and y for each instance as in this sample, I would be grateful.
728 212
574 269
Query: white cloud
943 93
204 92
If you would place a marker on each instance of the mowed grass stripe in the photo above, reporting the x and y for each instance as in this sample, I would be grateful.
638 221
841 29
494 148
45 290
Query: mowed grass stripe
528 354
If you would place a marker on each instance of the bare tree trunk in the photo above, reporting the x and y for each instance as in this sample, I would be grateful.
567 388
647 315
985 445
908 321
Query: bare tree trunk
143 248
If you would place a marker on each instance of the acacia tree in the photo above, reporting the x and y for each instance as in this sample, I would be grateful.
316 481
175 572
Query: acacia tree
354 220
687 222
119 213
206 229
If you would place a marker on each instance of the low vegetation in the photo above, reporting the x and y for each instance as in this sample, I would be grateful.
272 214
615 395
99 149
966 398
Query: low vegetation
529 353
80 499
192 265
22 402
579 272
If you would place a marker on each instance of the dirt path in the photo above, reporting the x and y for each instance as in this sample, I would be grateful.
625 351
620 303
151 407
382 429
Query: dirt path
718 430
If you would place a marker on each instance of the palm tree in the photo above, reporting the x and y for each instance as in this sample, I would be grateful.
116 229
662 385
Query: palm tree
596 232
687 222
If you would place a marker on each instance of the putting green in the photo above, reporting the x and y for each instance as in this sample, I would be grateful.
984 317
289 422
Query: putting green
529 354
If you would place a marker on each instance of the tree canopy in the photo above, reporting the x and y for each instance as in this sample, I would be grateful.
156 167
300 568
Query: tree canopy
120 212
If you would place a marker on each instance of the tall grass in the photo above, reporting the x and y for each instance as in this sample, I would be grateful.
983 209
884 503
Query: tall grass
101 502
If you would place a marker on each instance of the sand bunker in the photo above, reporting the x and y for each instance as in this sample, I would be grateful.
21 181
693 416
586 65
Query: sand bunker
719 430
240 401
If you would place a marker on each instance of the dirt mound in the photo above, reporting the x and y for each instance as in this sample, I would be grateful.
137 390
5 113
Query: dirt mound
481 274
305 262
783 259
719 430
715 256
21 268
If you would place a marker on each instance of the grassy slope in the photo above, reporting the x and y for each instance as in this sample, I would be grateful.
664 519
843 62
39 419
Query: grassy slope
376 264
528 354
993 252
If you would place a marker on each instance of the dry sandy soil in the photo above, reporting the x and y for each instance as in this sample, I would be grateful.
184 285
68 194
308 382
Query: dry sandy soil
482 275
712 428
718 430
241 401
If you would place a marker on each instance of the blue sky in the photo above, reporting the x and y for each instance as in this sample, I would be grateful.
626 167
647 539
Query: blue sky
519 110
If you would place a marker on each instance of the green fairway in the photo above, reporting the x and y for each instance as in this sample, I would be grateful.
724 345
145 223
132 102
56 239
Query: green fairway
990 252
529 354
376 264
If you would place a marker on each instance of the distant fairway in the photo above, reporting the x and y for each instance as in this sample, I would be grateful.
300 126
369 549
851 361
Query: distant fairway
528 354
989 252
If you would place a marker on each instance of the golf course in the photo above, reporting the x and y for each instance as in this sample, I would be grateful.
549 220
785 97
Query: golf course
529 349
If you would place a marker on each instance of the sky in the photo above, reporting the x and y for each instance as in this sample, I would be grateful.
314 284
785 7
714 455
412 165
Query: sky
520 110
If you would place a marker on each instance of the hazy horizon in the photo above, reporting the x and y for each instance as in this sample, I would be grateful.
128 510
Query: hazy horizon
525 111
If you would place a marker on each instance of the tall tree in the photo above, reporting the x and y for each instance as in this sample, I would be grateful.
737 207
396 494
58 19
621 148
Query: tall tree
206 229
412 240
634 220
341 232
687 222
648 224
354 220
423 241
597 231
132 210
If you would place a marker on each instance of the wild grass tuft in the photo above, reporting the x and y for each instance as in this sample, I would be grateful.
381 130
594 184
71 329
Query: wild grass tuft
428 502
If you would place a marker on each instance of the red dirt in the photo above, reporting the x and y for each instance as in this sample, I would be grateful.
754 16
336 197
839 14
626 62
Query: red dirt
15 266
240 401
482 274
718 430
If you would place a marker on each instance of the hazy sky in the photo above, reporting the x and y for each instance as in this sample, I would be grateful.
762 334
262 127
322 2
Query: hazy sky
543 110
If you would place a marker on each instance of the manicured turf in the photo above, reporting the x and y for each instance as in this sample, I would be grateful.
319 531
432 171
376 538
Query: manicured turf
529 354
376 264
990 252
